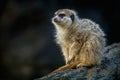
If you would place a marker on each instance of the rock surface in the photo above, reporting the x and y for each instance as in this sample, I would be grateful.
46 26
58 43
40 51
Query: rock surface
109 69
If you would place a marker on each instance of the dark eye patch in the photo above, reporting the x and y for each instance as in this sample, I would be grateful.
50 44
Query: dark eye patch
61 15
72 17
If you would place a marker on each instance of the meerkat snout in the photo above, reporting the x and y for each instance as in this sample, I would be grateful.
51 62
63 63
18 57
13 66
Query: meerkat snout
55 20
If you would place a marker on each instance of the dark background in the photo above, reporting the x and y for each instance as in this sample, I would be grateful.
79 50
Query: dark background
27 46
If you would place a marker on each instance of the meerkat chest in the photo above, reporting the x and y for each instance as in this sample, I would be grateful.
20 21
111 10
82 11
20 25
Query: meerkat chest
64 39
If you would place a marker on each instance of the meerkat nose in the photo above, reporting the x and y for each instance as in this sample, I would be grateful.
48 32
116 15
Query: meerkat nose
55 20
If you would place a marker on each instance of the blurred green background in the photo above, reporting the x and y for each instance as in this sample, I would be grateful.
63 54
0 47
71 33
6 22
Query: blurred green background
27 46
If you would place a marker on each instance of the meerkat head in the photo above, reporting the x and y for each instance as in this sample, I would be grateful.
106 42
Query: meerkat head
63 18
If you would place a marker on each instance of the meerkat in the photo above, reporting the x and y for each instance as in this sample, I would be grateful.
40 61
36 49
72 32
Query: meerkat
82 41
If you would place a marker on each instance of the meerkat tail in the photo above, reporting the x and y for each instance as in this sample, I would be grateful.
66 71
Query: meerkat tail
67 66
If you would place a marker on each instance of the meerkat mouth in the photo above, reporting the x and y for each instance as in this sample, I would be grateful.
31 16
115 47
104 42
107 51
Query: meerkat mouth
56 21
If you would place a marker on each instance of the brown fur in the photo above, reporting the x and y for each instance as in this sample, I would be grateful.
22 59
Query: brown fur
81 40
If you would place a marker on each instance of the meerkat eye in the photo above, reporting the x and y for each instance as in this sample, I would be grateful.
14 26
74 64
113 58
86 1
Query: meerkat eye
62 15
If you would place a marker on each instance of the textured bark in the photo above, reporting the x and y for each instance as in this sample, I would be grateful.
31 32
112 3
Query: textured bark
109 69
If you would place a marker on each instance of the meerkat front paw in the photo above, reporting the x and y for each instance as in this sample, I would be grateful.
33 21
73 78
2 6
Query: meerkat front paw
70 59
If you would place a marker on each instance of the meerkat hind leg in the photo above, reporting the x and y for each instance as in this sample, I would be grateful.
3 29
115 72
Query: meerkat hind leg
71 65
88 57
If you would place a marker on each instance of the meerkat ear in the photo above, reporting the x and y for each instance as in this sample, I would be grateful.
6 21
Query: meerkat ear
72 17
